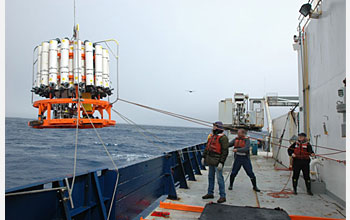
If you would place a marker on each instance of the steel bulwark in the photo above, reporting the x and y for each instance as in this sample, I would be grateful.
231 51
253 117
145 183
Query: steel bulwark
140 185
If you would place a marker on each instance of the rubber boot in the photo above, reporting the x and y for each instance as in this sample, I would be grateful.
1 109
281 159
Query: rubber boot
232 179
255 188
295 185
308 187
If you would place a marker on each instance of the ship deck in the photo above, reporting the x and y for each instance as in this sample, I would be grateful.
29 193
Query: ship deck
269 180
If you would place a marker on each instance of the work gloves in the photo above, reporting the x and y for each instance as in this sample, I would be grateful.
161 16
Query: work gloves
220 166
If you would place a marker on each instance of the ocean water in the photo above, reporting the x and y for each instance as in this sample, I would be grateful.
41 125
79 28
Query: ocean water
34 155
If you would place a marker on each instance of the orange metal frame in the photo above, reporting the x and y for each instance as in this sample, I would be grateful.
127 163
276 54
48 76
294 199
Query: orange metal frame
97 105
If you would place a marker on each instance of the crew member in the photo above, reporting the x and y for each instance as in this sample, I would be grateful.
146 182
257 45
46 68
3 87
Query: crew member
241 149
214 156
301 150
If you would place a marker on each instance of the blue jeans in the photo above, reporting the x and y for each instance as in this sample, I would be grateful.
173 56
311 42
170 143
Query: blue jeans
211 181
245 162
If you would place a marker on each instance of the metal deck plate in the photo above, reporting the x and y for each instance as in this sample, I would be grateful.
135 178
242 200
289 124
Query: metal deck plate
220 211
269 180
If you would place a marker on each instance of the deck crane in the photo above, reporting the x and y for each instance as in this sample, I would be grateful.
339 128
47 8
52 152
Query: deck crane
249 113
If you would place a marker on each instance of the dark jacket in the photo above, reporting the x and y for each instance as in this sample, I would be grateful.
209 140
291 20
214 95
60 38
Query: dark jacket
292 147
242 151
212 158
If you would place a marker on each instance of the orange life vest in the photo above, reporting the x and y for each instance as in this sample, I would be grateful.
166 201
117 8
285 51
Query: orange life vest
300 151
240 142
213 144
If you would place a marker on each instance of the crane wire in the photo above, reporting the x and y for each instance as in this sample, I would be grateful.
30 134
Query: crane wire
206 123
74 8
320 155
131 122
194 120
78 107
75 156
328 148
110 157
78 94
281 194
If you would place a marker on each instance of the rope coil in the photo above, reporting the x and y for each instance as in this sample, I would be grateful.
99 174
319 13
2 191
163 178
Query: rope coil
284 192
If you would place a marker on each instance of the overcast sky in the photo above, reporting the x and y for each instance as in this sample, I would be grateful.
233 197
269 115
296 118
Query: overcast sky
166 47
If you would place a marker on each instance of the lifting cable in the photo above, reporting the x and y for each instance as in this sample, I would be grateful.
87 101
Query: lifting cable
110 157
79 105
328 148
209 124
281 194
319 155
190 119
75 152
131 122
70 189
